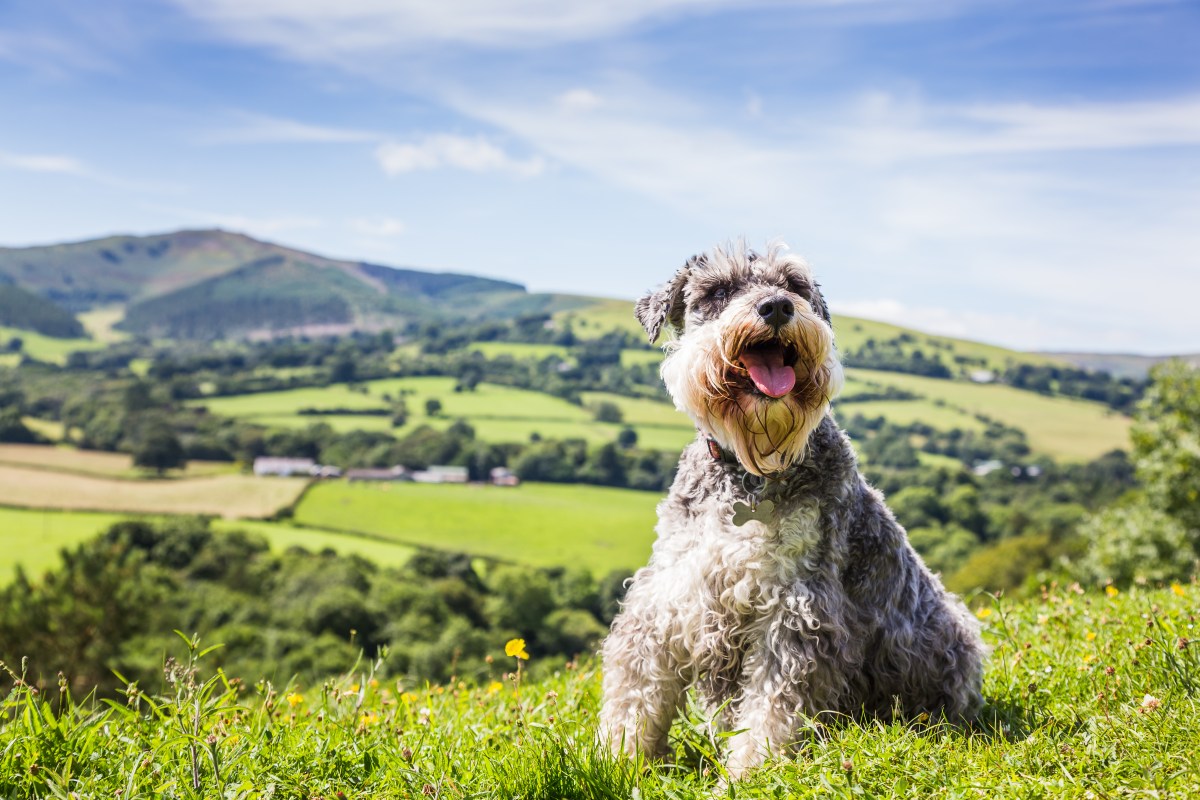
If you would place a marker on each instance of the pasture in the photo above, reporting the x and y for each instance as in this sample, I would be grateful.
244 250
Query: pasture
217 495
498 413
32 538
540 524
1061 427
95 462
43 348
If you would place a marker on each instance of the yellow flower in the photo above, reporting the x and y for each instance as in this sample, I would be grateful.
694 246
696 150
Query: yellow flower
354 687
1111 591
368 719
295 699
494 687
983 613
516 649
1090 636
408 697
1177 589
374 683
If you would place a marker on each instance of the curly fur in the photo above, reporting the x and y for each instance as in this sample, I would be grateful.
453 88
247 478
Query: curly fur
823 608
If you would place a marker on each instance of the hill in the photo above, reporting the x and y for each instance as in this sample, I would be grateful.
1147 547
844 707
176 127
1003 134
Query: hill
27 311
213 284
1120 365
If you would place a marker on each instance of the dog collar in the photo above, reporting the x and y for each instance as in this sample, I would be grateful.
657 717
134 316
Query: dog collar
719 453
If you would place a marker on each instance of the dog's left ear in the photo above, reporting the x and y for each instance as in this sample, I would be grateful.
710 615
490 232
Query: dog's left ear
665 304
818 304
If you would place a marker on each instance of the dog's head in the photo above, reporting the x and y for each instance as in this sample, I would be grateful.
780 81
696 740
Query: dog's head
752 360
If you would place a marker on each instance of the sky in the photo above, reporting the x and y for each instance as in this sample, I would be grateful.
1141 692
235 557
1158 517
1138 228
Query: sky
1014 172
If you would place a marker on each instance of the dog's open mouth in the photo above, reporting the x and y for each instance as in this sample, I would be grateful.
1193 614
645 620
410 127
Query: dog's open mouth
770 365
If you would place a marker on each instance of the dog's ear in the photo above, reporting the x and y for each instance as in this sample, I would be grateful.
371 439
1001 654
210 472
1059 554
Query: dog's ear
818 304
665 304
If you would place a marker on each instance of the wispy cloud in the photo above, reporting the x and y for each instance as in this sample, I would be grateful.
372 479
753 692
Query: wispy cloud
474 154
379 227
64 165
261 129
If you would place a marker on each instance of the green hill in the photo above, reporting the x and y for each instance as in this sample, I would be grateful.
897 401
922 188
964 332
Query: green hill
25 310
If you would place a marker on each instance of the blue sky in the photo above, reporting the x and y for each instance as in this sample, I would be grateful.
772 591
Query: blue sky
1023 173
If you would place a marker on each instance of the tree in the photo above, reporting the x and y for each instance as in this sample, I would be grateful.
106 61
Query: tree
1155 534
433 407
627 438
158 448
607 411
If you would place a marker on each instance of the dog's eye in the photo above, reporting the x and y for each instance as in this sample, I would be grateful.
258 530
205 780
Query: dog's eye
720 293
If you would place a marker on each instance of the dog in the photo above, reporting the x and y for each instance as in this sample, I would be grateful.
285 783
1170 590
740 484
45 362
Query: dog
780 584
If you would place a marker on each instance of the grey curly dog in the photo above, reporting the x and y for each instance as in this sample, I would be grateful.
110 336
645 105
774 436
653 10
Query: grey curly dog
780 585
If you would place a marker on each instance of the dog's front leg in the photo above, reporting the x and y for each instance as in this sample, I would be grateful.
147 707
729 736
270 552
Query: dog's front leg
643 684
781 685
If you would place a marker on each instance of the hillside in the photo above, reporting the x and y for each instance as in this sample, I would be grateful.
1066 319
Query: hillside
27 311
215 284
1088 694
1120 365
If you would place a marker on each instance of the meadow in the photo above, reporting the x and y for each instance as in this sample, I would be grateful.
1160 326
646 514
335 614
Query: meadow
43 348
498 413
33 538
1090 693
542 524
96 462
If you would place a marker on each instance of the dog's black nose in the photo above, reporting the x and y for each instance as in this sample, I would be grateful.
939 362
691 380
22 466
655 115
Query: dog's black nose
776 311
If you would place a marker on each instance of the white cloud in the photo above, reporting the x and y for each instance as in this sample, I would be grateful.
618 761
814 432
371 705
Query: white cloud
261 129
579 100
382 227
65 165
474 154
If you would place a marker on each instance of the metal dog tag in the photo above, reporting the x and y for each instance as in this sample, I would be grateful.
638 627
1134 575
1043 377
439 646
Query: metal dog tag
759 512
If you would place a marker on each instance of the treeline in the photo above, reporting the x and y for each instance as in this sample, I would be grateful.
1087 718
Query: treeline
111 607
1121 394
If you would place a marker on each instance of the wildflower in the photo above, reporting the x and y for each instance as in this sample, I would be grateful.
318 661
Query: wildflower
1043 619
515 648
1151 702
983 613
408 697
1090 636
494 687
354 687
1177 589
374 683
1111 590
294 699
368 719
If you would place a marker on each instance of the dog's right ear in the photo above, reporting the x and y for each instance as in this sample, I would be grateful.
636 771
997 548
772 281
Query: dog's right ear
665 304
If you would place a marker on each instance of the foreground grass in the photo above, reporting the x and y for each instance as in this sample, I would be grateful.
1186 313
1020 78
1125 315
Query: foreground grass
536 523
1088 695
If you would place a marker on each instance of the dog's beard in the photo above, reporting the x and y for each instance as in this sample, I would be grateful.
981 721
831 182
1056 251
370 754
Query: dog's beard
705 377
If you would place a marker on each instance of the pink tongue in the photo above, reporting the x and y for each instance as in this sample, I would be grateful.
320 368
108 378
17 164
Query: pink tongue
772 377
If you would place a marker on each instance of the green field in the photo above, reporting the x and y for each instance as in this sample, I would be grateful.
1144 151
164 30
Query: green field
44 348
539 524
498 413
95 462
1057 426
601 317
521 350
32 538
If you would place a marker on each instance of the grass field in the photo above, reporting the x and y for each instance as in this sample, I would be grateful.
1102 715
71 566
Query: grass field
94 462
521 350
1087 696
498 413
33 538
45 348
1058 426
219 495
540 524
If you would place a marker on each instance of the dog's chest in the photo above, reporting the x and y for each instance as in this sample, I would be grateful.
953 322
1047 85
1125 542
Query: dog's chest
747 570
